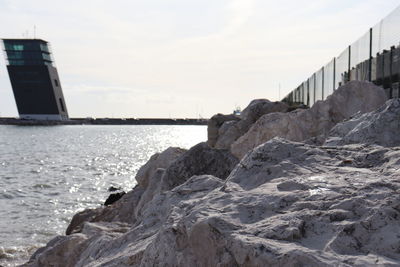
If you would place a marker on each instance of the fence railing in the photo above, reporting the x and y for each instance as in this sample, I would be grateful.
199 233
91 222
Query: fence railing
374 57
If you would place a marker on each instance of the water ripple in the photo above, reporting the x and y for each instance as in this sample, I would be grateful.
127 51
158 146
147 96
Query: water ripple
47 174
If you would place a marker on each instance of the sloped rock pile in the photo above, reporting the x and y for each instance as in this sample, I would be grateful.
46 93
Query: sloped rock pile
285 203
299 125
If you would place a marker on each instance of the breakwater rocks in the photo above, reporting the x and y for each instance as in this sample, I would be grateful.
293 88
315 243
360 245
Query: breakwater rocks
284 203
314 123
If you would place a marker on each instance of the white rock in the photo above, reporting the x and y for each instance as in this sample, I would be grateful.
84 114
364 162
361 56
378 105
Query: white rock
60 251
230 131
285 204
354 97
125 209
213 125
200 159
158 160
381 127
162 172
260 107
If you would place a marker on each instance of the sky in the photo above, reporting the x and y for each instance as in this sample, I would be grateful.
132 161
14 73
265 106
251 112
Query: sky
183 58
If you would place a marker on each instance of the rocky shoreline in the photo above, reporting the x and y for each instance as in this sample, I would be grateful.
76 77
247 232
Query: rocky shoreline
271 187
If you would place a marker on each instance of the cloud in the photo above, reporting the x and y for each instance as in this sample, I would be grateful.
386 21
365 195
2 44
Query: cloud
76 89
240 12
178 54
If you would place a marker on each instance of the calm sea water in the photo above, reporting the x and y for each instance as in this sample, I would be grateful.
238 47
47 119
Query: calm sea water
47 174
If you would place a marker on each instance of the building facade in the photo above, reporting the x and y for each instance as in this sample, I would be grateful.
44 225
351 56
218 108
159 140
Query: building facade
34 80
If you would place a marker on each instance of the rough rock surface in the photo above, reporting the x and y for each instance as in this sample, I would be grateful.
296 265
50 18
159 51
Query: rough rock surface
300 125
285 204
230 131
381 127
259 107
215 123
157 161
200 159
124 210
162 172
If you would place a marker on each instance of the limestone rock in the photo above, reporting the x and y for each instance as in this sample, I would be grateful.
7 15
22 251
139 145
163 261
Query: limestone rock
299 125
260 107
124 210
121 211
381 127
230 131
163 171
284 204
158 160
214 124
72 250
61 251
200 159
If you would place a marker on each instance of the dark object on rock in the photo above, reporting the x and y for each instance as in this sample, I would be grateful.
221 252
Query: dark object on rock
113 189
113 198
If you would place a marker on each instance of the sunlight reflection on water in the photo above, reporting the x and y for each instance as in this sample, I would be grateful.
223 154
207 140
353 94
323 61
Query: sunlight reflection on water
49 173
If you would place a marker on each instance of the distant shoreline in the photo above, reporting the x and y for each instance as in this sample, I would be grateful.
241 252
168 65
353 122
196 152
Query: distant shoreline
104 121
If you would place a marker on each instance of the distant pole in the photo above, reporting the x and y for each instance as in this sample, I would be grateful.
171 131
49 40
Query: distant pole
34 31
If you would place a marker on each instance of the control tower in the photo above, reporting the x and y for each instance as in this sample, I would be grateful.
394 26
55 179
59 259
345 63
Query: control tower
34 80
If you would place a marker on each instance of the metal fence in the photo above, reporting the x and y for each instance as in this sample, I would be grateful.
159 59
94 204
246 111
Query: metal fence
375 57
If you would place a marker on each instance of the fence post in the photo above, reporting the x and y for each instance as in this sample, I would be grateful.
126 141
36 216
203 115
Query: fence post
391 71
349 73
323 82
334 73
308 92
370 56
315 86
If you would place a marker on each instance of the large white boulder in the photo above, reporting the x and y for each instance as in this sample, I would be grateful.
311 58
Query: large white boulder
157 161
259 107
162 172
125 209
198 160
381 127
285 204
230 131
213 125
299 125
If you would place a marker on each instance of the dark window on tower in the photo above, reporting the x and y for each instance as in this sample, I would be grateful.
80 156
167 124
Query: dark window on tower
56 82
61 104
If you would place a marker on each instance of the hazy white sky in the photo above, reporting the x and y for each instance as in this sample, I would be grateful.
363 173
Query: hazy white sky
183 58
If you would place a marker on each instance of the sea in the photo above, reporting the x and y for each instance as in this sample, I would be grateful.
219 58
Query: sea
49 173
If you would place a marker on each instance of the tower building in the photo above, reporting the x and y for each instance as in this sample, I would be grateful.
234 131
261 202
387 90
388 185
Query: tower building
34 80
